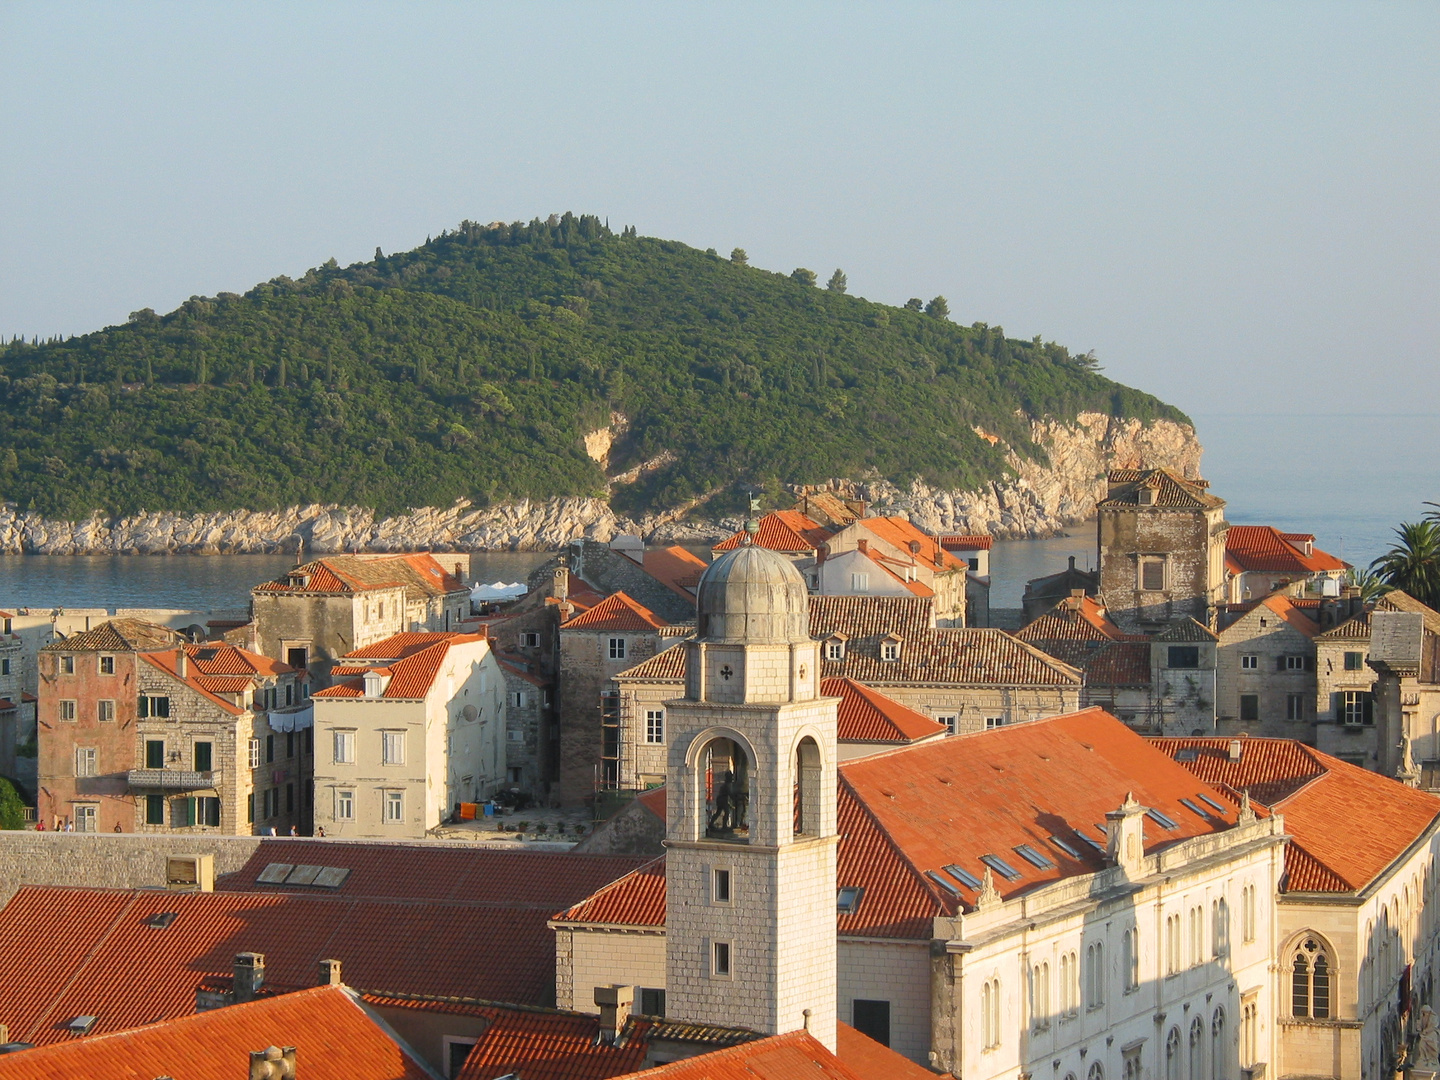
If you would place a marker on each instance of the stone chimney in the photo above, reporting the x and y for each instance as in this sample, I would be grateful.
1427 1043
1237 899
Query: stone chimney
460 572
182 663
273 1063
1237 748
249 975
1125 835
329 973
614 1002
862 545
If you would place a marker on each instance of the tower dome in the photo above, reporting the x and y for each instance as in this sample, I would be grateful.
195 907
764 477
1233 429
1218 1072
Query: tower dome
752 595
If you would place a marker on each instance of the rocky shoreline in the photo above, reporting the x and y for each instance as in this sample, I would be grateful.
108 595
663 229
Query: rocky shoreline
1037 500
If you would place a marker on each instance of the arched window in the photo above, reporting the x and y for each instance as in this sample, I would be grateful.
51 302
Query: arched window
1219 1050
1094 974
1040 995
1220 932
1197 1049
1172 1055
807 788
1096 1072
1130 958
1069 984
1310 980
990 1013
725 771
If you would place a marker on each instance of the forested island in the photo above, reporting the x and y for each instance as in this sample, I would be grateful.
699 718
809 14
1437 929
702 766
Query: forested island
474 367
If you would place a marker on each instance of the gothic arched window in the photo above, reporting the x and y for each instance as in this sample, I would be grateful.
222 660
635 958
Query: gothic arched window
1219 1055
725 774
1097 1071
1172 1054
1310 980
1197 1050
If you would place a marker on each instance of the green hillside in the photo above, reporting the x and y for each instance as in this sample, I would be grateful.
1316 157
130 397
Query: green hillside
473 366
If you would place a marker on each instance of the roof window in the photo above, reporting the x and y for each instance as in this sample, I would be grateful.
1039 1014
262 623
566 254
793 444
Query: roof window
160 920
81 1025
1194 809
1189 753
207 654
324 877
1086 840
960 874
1001 867
944 882
1160 819
847 901
1211 803
1065 846
1035 858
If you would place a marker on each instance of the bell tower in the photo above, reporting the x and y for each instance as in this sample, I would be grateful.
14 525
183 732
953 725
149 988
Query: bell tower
751 835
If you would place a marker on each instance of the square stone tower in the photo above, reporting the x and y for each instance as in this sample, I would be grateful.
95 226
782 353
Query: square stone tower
750 873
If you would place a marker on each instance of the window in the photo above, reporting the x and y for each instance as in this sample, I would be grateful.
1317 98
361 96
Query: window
269 749
1161 819
5 664
1040 996
86 818
517 699
973 564
1294 706
1183 656
250 809
1133 1070
872 1018
1249 706
1035 857
515 735
1219 1058
1220 931
345 805
1069 984
1094 975
1357 708
151 705
847 900
1130 958
720 959
1247 913
380 610
859 582
207 811
529 640
890 650
1152 575
1172 1054
1001 867
107 665
617 648
344 742
1172 944
720 886
254 751
392 747
289 744
105 711
1250 662
67 665
990 1013
994 722
394 806
1197 1049
654 725
289 798
1197 936
1249 1031
67 711
154 753
204 756
1354 661
835 649
652 1001
951 722
154 809
1097 1071
84 761
1310 981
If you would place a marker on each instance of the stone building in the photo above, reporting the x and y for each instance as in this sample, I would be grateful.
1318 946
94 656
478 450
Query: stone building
1265 671
1344 693
17 708
1405 655
594 647
413 726
1055 898
1043 593
529 723
86 714
1161 541
1357 930
1260 559
890 556
323 609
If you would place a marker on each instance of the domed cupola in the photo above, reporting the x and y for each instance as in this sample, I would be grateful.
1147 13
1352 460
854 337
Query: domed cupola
752 595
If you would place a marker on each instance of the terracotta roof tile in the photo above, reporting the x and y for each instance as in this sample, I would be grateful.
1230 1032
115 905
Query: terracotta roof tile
952 657
782 530
1355 628
866 715
119 635
412 676
1186 630
547 1045
616 612
1171 491
1314 791
637 899
869 1059
1281 605
870 616
167 663
1264 548
335 1038
676 568
1073 630
668 665
1123 663
792 1056
421 576
963 542
901 533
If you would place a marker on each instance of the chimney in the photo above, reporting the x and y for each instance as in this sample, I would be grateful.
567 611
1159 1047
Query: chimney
1236 747
4 1034
862 545
249 975
182 663
272 1063
460 572
614 1002
329 973
1072 565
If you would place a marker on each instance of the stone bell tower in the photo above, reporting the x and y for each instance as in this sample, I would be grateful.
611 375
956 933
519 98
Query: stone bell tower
750 873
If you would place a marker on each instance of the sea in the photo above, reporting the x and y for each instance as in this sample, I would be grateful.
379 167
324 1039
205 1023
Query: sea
1347 478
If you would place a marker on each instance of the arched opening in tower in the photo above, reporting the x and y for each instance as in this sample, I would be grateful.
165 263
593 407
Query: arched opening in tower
727 790
807 788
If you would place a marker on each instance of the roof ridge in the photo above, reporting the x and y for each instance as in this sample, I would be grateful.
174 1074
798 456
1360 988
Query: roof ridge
604 889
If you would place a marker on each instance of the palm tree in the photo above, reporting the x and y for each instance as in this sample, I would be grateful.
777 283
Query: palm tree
1413 561
1370 584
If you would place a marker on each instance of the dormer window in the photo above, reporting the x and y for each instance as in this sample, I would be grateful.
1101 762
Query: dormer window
1146 496
835 647
890 648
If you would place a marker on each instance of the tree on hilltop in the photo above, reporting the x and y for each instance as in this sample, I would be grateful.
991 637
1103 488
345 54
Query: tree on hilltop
939 308
803 276
837 282
738 257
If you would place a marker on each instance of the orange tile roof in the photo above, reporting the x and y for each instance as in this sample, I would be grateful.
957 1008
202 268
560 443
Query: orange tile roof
1265 548
795 1055
866 715
419 575
412 676
553 1046
782 530
119 635
399 646
166 662
334 1035
952 657
889 565
676 568
868 1058
654 801
1315 791
901 533
637 899
222 658
1355 628
1073 630
1124 663
963 542
869 616
668 665
1293 616
1171 491
616 612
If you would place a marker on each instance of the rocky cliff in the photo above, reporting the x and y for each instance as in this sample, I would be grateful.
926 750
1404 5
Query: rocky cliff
1037 500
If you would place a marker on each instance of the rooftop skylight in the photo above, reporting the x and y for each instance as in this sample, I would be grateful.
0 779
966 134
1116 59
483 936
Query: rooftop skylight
1211 803
1160 819
1000 866
960 874
847 901
1065 846
944 882
1034 857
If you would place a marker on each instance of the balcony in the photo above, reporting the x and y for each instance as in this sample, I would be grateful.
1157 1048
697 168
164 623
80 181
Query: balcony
171 779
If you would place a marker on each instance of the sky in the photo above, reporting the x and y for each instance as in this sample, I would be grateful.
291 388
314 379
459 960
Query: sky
1237 206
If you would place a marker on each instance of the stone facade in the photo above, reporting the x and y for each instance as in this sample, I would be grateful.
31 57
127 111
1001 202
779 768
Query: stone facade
1344 693
1265 673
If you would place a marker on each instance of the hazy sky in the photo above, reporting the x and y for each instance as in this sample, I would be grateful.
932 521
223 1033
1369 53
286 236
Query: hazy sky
1236 206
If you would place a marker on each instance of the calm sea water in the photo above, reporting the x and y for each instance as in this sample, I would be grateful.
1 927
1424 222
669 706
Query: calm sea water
1349 479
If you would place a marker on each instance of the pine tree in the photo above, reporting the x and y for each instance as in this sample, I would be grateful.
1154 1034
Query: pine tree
837 282
914 304
738 257
939 308
803 276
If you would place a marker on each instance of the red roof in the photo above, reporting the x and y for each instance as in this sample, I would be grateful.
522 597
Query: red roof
166 662
901 533
866 715
1315 791
782 530
616 612
548 1045
961 542
419 575
334 1035
795 1055
637 899
676 568
1171 490
1264 548
410 677
869 1059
